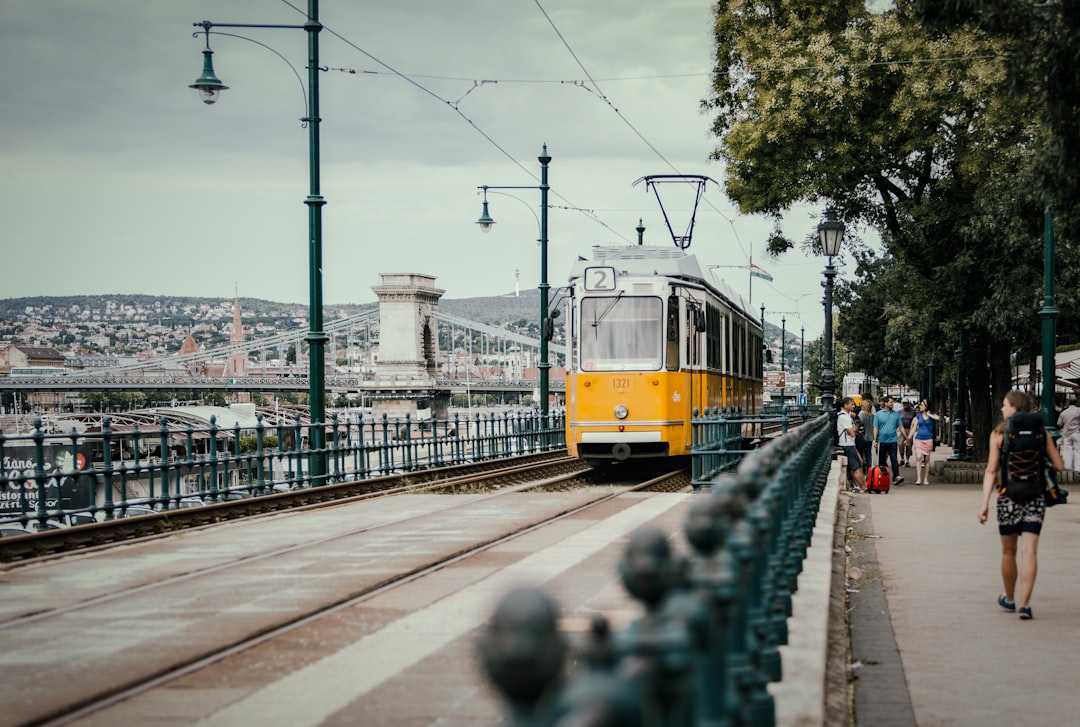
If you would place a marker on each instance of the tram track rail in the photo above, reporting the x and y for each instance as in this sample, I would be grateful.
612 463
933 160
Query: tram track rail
68 714
110 532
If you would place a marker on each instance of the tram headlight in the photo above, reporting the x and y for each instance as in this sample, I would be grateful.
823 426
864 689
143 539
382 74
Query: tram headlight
621 412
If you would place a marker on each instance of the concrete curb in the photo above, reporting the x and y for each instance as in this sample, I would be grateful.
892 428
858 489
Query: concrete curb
801 695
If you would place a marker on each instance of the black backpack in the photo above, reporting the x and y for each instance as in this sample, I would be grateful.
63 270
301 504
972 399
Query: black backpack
1023 457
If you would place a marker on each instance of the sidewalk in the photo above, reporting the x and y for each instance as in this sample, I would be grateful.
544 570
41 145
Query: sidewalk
930 646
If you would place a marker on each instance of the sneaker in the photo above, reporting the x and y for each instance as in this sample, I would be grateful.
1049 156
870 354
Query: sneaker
898 480
1025 613
1008 605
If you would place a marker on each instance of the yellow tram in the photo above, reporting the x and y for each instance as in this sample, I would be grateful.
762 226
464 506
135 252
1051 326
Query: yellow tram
652 336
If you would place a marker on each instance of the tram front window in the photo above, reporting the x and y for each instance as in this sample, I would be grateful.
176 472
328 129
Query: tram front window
621 334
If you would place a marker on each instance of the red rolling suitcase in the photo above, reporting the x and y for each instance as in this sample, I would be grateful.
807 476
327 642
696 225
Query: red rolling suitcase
877 480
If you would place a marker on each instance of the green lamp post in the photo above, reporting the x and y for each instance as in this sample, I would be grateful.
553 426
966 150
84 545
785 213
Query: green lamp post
831 234
959 425
783 357
764 346
486 223
209 87
1048 314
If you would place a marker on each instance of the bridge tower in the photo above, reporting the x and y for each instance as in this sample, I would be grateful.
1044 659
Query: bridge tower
405 378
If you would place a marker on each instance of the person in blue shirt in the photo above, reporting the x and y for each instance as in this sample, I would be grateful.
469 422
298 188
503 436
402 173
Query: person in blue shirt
921 433
886 426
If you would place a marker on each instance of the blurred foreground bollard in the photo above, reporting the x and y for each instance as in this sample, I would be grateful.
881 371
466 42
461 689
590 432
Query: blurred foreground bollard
523 652
711 579
597 695
657 650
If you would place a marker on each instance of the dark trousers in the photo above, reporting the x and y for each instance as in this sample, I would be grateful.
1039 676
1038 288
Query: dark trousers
867 452
888 449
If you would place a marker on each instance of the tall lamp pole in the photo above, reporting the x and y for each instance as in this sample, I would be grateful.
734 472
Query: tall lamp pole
783 356
1048 314
831 234
486 223
959 425
209 87
764 346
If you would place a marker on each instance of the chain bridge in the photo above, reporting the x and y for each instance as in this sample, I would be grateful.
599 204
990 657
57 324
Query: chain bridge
457 355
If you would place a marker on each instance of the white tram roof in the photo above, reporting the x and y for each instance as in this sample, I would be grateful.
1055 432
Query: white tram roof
655 261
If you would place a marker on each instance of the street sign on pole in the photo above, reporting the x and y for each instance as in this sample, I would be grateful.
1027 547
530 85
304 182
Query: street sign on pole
775 379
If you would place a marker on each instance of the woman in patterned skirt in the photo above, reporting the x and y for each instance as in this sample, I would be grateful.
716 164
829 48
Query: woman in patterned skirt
1016 520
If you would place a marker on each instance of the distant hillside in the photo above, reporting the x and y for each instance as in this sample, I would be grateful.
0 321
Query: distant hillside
496 310
493 310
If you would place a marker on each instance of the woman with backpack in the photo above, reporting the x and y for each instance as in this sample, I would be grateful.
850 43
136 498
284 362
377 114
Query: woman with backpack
1018 453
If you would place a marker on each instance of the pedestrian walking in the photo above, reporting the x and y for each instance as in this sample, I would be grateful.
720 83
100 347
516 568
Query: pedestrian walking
922 438
845 428
1068 424
866 422
1018 519
886 431
907 415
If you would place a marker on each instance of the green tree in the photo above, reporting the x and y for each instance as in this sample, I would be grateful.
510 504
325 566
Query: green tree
906 131
1043 41
215 398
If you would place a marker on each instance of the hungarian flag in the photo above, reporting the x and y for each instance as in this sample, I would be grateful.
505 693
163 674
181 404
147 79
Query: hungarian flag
759 272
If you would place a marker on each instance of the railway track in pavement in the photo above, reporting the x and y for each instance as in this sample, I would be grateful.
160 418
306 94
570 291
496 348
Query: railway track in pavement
494 473
126 623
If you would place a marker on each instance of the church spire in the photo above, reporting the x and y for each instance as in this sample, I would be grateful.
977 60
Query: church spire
237 365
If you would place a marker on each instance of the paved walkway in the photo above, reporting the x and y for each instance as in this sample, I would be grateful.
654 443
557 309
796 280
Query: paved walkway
930 646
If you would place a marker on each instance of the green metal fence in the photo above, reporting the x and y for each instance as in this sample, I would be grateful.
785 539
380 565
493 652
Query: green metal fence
722 437
59 480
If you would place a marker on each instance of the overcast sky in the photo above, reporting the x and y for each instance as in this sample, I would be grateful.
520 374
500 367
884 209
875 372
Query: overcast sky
117 179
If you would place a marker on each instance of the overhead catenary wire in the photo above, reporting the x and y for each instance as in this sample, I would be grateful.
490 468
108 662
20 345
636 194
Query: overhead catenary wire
487 137
454 105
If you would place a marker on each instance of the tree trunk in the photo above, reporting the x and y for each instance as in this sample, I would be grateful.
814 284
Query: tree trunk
990 378
979 412
1001 376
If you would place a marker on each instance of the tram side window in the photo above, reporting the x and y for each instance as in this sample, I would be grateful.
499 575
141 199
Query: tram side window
622 334
743 345
728 333
737 366
693 341
714 331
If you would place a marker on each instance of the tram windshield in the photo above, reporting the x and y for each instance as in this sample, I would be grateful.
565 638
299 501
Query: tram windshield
621 334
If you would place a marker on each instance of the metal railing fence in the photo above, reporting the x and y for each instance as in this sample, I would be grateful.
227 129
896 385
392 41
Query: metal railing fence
708 644
52 480
721 437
